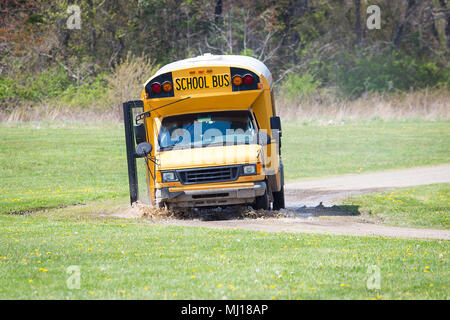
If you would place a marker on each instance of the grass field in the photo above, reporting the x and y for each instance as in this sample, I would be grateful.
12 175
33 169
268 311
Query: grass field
313 150
142 260
420 206
47 165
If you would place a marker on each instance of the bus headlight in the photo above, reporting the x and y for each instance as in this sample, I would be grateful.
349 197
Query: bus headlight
169 176
249 169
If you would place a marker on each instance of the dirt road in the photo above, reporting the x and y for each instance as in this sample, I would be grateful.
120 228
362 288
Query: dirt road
310 206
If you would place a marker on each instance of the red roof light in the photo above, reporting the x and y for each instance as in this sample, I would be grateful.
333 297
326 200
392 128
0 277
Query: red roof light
156 87
248 79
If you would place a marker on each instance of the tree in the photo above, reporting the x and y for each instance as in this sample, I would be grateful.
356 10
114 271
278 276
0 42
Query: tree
358 22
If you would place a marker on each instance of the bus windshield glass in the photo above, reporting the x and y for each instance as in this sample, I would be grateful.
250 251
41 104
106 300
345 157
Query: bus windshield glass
206 129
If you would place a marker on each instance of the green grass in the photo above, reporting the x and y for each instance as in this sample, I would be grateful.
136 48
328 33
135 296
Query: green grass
421 206
51 167
313 150
59 166
137 259
54 165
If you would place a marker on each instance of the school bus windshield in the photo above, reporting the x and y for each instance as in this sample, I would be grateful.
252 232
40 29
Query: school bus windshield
206 129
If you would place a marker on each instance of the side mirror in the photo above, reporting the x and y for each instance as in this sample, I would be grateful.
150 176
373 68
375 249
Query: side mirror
262 138
275 124
143 149
139 133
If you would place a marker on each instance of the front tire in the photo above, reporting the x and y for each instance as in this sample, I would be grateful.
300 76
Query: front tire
262 202
278 199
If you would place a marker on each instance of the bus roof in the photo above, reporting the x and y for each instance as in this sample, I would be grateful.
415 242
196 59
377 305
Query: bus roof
218 60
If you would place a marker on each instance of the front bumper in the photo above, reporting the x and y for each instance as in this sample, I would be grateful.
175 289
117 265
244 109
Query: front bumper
238 193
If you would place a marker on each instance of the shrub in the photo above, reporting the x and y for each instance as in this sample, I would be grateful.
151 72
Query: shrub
91 93
47 85
127 79
357 73
299 86
40 88
248 52
8 91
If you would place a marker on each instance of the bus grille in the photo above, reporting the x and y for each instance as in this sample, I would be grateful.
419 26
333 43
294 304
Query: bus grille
206 175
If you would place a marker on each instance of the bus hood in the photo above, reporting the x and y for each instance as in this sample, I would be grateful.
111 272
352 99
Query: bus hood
208 157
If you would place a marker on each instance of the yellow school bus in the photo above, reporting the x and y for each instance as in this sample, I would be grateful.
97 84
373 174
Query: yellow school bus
209 134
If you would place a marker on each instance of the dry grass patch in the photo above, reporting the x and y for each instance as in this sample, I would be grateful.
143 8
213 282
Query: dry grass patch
126 84
427 104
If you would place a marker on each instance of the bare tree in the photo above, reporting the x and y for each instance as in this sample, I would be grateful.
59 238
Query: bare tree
410 7
358 23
